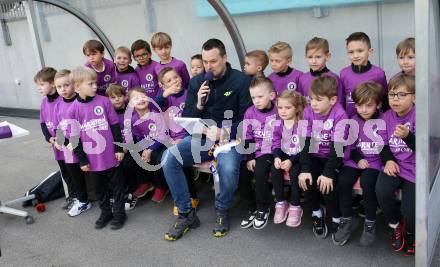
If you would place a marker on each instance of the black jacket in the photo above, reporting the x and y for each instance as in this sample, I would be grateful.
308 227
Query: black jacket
230 92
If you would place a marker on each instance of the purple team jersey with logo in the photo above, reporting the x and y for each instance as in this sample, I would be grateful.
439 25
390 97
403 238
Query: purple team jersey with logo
174 105
180 68
325 129
127 79
95 118
369 142
259 127
351 79
148 79
124 120
406 158
149 130
62 109
48 116
289 139
306 79
288 82
105 77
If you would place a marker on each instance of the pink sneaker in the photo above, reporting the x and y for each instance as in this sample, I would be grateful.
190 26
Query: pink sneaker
294 218
280 212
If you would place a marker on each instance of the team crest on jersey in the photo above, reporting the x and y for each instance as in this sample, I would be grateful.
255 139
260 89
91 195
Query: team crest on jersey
407 125
182 105
98 110
294 139
107 77
291 86
127 123
270 122
152 127
124 83
149 77
328 124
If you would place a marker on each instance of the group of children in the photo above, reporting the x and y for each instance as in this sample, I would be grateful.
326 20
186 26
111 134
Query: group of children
302 132
93 115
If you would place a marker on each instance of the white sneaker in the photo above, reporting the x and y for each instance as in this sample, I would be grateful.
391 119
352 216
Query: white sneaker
261 219
78 208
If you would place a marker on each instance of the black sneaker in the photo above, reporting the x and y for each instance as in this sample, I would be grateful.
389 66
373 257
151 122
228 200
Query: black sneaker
103 220
261 219
397 236
118 222
67 204
221 227
182 225
369 234
344 231
248 221
130 202
361 211
319 227
410 248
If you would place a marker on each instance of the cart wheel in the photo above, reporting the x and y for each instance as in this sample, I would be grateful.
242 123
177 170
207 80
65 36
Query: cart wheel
29 219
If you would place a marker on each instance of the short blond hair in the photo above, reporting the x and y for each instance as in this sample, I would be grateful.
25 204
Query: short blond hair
317 43
62 73
81 74
280 47
161 39
406 46
260 56
123 49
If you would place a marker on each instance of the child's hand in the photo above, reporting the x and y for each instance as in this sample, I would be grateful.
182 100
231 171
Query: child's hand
146 155
52 140
277 163
391 168
303 178
363 164
57 146
70 147
251 165
119 156
325 184
286 165
85 168
401 131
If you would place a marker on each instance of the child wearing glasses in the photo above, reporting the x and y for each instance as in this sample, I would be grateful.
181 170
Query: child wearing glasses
141 52
399 159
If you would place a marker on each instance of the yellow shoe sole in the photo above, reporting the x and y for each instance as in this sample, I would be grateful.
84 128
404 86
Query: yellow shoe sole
219 234
173 238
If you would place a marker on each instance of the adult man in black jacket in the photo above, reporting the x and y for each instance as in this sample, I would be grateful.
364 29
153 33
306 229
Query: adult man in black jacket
225 97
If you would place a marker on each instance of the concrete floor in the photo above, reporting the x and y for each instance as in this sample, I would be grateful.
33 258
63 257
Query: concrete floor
57 240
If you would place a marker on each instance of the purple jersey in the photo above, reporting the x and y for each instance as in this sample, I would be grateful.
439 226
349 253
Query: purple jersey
94 118
174 105
259 127
350 79
289 139
105 77
124 120
325 129
150 130
48 116
127 79
285 82
405 157
369 142
180 68
62 109
306 79
148 79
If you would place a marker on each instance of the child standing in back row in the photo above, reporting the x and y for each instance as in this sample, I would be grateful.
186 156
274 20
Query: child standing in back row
197 65
141 52
255 62
125 74
104 68
283 76
406 56
317 55
361 70
161 43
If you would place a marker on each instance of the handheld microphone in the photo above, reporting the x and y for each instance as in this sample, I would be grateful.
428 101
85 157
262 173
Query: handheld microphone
209 76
